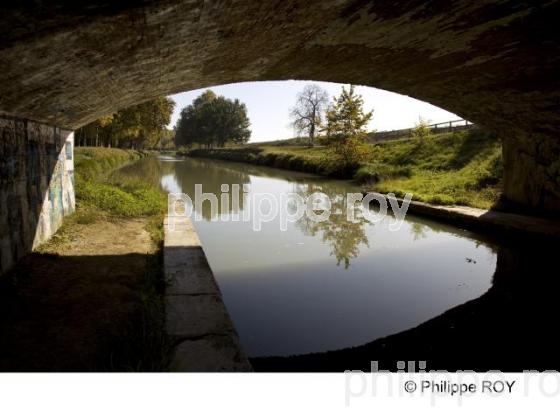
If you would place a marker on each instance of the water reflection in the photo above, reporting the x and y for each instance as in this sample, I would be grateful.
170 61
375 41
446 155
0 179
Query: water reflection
147 170
511 327
183 175
324 285
344 237
418 231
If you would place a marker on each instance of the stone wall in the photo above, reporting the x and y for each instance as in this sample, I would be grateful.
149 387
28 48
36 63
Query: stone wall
36 185
532 172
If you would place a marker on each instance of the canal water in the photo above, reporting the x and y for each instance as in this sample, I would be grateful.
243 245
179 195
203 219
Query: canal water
321 285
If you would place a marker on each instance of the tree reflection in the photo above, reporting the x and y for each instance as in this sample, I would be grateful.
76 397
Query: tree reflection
212 177
186 175
344 237
145 171
418 231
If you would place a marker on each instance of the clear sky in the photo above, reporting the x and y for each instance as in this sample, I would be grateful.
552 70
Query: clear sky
269 103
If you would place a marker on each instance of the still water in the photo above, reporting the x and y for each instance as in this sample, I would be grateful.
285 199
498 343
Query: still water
321 286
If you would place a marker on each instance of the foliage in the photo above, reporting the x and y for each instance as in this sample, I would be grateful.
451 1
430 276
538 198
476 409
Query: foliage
456 168
297 141
307 114
141 126
346 128
97 193
260 156
91 163
212 120
421 130
124 200
167 141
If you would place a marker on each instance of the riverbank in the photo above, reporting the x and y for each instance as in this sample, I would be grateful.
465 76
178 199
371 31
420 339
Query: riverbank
455 178
91 298
462 168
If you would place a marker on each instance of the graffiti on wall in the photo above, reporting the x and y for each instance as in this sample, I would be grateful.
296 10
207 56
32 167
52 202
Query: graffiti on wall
36 185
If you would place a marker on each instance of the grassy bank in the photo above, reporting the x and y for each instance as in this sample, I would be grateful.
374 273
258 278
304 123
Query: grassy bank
105 203
100 195
463 168
98 191
93 162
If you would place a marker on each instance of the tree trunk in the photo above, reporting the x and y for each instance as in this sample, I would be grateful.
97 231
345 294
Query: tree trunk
312 129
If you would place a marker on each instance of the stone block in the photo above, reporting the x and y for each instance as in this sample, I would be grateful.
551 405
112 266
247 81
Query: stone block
187 272
196 315
216 353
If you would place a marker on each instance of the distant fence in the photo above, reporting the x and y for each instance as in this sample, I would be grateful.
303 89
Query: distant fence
439 128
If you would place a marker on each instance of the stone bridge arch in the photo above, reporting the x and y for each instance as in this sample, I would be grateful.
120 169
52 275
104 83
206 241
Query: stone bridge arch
495 63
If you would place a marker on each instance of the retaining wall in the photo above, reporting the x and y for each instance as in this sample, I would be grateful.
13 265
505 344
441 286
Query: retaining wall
36 185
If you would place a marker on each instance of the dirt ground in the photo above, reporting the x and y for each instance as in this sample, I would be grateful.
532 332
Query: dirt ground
104 237
73 305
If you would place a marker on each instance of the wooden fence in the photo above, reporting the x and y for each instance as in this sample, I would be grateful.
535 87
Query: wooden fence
439 128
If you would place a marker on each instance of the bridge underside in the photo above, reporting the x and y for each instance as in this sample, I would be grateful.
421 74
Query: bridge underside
495 63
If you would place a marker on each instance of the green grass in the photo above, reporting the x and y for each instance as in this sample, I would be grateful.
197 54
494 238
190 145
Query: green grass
98 194
94 162
123 200
313 160
463 168
143 344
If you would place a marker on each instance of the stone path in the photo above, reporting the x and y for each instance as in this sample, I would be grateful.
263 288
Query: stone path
502 222
197 320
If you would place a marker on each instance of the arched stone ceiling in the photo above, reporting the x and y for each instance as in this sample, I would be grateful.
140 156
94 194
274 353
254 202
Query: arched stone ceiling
496 63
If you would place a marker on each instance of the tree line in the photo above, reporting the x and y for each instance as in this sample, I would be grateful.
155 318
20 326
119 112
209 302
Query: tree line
215 121
142 126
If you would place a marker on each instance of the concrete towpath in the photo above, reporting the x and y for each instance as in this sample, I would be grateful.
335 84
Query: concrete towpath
489 220
198 323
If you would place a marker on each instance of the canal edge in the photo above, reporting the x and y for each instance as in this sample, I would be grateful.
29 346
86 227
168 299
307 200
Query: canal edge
484 220
201 331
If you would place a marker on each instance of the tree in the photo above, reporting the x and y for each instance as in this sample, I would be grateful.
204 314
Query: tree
189 128
155 115
142 125
230 121
138 126
421 130
346 127
167 141
95 133
308 112
213 120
